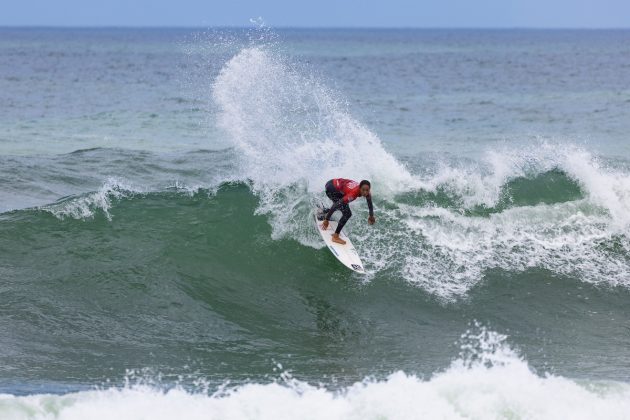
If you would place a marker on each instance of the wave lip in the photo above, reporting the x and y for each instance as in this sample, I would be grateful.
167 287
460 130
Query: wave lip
86 206
489 380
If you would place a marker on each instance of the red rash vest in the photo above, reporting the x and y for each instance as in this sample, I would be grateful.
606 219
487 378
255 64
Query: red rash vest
349 189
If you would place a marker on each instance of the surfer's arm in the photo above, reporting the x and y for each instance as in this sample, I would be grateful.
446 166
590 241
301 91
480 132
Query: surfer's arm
371 219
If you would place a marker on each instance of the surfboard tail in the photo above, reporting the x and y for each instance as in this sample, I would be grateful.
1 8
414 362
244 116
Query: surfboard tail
346 254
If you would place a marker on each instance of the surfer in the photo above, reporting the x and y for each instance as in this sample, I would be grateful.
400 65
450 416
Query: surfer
342 191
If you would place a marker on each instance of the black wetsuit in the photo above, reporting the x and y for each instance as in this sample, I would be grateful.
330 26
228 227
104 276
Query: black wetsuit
337 198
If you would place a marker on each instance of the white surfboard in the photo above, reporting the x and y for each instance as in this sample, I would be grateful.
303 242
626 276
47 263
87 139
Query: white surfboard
344 253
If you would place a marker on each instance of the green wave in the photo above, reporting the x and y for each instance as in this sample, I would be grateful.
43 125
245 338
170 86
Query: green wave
194 283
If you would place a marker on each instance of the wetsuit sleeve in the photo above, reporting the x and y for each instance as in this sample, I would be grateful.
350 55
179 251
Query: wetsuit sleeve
370 205
334 208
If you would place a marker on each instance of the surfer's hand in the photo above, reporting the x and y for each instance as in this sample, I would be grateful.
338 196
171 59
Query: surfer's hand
325 224
371 220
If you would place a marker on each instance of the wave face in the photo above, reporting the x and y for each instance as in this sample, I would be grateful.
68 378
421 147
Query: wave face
489 380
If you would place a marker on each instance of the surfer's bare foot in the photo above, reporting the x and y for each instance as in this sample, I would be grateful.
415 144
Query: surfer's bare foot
325 224
337 239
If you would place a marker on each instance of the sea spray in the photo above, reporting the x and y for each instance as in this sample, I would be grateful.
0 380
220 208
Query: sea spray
293 134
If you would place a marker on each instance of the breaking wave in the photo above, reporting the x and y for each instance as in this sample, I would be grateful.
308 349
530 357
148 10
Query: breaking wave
442 223
488 380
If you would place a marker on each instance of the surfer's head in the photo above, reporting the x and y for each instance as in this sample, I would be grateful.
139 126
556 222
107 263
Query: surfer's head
364 187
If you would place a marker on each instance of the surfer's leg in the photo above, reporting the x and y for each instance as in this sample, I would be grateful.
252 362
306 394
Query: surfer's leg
346 214
332 194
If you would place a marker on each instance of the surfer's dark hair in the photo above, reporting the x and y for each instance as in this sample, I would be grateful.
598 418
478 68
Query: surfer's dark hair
365 182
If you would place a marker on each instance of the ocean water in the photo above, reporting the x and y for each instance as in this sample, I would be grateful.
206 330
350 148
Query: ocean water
157 258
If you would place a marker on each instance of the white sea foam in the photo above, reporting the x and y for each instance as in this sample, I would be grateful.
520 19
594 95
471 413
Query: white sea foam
489 380
567 238
446 251
481 183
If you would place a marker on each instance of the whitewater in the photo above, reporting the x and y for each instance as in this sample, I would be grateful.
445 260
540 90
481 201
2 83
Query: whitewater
488 380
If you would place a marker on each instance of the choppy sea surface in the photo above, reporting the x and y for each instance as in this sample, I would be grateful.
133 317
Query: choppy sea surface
157 257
